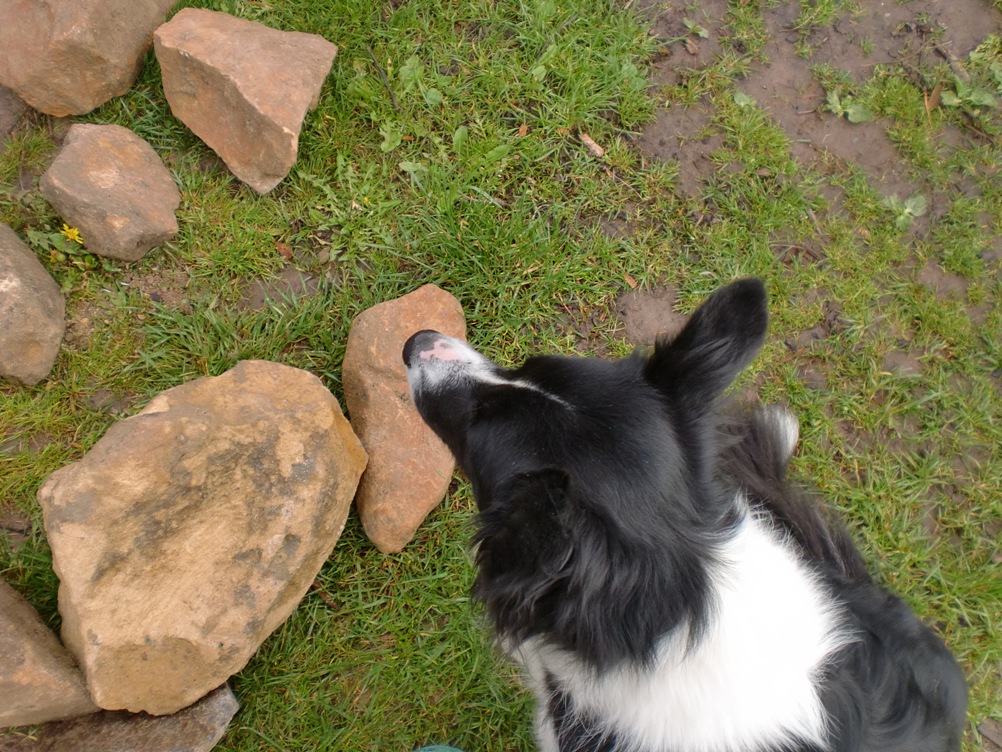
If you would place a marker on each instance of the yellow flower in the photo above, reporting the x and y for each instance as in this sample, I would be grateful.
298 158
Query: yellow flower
72 233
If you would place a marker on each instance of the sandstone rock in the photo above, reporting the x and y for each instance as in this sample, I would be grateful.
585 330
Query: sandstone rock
191 530
112 186
12 107
195 729
39 681
409 467
32 313
66 57
243 88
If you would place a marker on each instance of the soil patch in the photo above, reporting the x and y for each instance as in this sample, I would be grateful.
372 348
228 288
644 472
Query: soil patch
289 284
684 52
942 283
166 286
649 315
687 136
884 32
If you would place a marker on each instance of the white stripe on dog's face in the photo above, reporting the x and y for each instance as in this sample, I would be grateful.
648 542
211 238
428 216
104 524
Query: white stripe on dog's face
433 358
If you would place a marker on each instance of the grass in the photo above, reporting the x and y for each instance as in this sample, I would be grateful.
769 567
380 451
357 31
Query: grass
446 149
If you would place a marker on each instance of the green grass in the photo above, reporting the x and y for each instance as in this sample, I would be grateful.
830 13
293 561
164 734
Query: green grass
446 149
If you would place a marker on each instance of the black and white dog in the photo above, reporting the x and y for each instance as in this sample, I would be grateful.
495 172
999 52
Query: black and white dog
642 555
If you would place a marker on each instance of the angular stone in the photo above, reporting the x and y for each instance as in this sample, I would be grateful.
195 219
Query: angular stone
195 729
191 530
110 184
66 57
409 467
39 680
32 313
243 88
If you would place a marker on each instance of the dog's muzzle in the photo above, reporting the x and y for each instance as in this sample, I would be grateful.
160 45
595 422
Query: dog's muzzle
425 345
429 345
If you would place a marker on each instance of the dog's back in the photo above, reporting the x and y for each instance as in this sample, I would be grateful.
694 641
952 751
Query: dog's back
896 688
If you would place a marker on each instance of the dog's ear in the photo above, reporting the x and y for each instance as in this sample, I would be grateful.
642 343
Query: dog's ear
721 338
522 553
522 530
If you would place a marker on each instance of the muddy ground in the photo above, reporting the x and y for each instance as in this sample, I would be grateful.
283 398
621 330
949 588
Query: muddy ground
917 33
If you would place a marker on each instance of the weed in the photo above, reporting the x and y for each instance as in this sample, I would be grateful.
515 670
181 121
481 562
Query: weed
847 106
906 210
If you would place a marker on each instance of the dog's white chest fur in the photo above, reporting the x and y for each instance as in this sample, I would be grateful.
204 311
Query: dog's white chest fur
749 682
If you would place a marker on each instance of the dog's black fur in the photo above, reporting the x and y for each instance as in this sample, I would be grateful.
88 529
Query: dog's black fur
605 491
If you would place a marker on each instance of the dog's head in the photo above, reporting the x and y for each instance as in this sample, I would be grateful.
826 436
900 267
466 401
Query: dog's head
577 462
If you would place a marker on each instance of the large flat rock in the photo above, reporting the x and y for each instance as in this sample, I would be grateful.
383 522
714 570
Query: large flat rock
195 729
191 530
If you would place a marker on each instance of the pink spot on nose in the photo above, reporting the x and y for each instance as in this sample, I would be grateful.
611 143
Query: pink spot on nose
441 350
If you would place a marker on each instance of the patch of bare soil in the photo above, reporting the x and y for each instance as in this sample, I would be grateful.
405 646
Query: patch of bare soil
885 32
15 525
942 283
290 283
913 33
168 287
649 314
625 223
685 135
676 61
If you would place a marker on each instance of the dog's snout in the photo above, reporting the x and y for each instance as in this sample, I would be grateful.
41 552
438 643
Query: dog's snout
418 343
430 345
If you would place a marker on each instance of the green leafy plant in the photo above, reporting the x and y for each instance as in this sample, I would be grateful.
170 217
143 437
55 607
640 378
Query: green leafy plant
693 29
848 107
65 247
969 97
905 211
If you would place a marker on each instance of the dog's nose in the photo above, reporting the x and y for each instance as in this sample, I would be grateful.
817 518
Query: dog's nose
418 343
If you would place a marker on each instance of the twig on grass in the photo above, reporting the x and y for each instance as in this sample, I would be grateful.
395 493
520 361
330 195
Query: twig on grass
382 77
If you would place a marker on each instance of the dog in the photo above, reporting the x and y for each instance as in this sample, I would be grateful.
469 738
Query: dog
642 554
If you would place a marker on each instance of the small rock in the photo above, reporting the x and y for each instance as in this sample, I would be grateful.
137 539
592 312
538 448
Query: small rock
243 88
66 57
32 312
409 467
12 107
112 186
39 680
195 729
191 530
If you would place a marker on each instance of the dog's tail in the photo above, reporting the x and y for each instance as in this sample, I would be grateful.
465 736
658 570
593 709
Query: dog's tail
754 455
